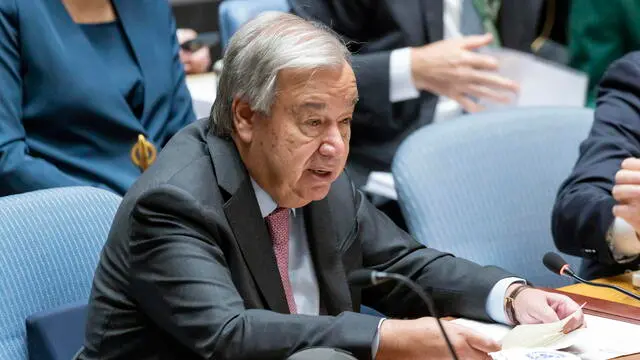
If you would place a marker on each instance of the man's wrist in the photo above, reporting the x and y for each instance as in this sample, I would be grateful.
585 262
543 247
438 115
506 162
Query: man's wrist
513 291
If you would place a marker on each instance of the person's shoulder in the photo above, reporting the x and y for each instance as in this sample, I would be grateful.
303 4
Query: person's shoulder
185 156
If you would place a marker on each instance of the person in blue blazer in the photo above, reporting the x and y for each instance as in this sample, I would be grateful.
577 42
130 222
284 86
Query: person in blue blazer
90 91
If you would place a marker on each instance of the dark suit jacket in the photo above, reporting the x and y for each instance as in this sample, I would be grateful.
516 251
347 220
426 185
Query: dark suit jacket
63 122
582 213
188 271
372 29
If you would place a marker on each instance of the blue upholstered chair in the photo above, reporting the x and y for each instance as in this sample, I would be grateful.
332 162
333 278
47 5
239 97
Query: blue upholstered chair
234 13
482 186
50 242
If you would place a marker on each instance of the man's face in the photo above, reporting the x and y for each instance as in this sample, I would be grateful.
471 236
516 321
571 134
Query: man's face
301 148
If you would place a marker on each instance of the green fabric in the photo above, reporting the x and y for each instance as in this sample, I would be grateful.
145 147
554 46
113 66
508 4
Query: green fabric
600 32
488 11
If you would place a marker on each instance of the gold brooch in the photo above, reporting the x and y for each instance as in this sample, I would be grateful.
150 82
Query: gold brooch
143 153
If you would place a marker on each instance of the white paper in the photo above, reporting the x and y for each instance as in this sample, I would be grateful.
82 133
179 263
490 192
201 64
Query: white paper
602 339
548 336
542 82
381 183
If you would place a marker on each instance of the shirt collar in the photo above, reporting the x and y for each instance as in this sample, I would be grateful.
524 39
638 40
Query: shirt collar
265 201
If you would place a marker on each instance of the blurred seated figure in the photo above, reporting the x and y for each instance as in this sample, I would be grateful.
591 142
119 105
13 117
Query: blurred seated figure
416 61
597 211
91 90
195 62
601 32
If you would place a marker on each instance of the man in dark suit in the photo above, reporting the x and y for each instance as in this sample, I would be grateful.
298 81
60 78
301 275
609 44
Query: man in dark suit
414 65
237 242
597 211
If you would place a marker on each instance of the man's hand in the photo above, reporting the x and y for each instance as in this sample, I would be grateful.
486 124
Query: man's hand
533 306
451 68
627 192
195 62
422 339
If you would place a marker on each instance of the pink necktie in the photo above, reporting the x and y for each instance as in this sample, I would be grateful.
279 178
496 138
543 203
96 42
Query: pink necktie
278 222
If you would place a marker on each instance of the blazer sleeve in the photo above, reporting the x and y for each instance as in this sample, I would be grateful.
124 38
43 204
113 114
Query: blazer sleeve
181 104
181 281
350 19
19 171
458 287
582 213
596 38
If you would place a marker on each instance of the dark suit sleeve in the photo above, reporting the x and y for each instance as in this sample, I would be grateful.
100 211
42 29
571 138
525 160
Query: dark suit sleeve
457 286
181 281
351 21
582 213
19 172
181 104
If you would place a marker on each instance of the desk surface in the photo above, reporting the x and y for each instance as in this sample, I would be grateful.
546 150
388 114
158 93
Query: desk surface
623 281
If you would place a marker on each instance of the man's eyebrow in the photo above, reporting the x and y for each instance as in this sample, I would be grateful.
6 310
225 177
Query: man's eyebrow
312 105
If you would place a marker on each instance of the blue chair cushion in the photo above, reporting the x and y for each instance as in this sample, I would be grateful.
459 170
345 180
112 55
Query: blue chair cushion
56 334
233 14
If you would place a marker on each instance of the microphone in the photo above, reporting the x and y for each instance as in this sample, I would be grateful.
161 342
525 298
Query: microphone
366 277
556 264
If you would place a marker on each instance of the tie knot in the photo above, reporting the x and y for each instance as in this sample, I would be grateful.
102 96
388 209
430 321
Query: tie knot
278 222
279 211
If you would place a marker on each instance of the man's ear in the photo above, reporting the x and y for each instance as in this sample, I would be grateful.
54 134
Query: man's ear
243 118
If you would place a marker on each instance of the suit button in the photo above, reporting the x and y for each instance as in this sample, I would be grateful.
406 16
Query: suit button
143 153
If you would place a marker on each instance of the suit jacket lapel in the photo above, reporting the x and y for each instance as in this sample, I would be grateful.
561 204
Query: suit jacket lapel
332 281
129 14
407 14
433 12
246 222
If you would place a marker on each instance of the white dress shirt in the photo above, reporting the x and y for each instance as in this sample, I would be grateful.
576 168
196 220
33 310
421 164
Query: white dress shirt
401 86
302 275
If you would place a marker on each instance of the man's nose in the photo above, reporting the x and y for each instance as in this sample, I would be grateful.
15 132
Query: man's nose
334 144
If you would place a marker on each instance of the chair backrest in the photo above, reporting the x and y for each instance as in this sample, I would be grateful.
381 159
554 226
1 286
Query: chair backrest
483 186
50 242
234 13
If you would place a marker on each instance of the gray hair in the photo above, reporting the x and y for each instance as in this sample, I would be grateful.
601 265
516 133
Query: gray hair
256 53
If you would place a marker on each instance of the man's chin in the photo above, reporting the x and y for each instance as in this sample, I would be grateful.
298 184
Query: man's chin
318 192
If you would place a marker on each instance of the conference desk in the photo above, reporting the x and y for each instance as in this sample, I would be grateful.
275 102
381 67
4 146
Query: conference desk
623 281
606 302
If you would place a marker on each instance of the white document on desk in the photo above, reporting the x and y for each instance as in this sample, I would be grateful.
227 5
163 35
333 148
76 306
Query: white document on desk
602 339
542 82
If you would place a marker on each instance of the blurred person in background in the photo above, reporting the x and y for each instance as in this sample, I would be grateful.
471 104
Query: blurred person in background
91 90
416 61
601 32
195 62
597 211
